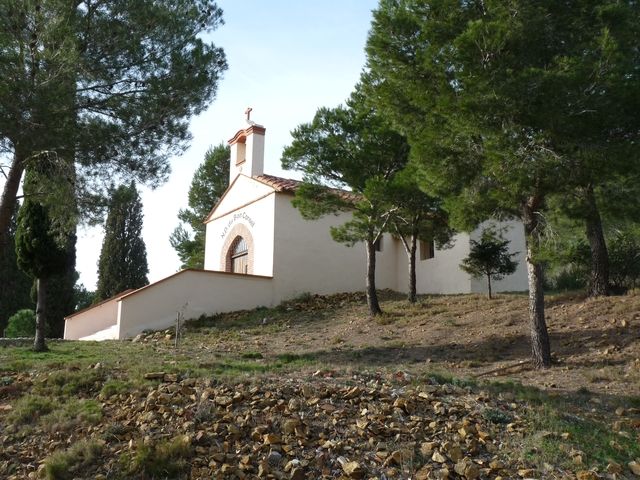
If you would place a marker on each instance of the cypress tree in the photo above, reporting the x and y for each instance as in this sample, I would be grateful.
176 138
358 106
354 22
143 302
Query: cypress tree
62 291
40 255
123 258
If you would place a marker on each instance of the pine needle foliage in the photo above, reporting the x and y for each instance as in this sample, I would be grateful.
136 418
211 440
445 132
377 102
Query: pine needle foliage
490 258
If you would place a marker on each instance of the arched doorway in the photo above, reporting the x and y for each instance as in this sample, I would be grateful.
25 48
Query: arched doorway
239 256
237 252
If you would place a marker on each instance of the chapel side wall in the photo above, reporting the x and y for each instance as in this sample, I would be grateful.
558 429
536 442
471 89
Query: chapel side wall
98 318
512 230
308 260
386 263
194 293
440 274
255 218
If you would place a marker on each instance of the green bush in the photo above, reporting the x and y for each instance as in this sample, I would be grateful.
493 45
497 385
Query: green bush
570 278
70 382
114 387
66 464
30 408
624 260
569 267
166 459
21 324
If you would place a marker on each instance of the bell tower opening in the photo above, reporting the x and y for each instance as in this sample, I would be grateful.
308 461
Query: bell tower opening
247 149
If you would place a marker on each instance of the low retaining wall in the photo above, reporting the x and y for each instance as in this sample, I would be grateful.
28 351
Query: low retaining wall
100 317
192 293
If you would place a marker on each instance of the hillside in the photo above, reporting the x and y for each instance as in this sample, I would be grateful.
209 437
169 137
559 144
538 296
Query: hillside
316 389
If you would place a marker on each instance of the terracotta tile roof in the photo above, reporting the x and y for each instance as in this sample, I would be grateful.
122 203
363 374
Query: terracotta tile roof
289 185
278 183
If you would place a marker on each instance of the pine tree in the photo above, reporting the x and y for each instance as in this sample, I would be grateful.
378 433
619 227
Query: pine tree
349 146
123 258
209 182
489 258
107 86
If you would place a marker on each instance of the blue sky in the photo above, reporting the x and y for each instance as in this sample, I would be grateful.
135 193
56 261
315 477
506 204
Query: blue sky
286 59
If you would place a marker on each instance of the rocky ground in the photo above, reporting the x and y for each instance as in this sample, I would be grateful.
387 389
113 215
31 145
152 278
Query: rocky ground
315 389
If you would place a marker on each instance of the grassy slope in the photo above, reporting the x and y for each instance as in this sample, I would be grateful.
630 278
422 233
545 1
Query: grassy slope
582 414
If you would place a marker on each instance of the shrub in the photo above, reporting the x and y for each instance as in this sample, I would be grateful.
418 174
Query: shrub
21 324
114 387
70 382
624 260
160 460
570 278
72 413
66 464
29 409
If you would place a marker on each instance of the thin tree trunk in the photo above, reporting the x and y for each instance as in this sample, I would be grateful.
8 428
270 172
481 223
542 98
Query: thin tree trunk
41 315
489 285
599 282
372 296
8 199
540 346
412 269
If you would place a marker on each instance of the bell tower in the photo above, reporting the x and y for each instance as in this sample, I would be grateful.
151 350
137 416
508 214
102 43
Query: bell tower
247 149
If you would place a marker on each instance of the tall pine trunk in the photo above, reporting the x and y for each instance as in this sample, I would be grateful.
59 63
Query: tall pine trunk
372 296
540 346
599 280
41 315
489 285
8 199
412 297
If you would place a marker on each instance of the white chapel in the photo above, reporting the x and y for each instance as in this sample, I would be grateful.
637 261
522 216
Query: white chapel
260 251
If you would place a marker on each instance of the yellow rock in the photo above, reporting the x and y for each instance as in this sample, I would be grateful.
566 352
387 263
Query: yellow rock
272 439
586 475
353 470
438 457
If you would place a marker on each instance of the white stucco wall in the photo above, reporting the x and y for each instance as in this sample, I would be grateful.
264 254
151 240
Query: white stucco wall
513 231
99 322
243 190
386 263
258 219
307 259
441 274
194 293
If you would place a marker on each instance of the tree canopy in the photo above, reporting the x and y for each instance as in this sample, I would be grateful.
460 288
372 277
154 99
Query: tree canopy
101 89
210 181
123 258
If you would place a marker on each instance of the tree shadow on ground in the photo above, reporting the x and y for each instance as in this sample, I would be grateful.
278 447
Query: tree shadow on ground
490 349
